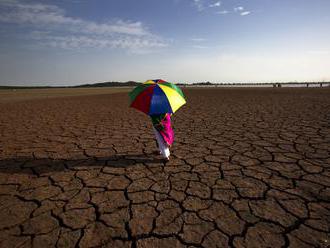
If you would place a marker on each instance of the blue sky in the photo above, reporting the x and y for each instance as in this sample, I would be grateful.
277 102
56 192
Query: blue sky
70 42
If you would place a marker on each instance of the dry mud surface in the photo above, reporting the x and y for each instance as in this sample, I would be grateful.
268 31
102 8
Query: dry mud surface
249 168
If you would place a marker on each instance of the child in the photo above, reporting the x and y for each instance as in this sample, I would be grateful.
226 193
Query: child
164 133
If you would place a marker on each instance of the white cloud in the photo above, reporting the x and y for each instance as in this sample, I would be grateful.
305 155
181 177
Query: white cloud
198 4
222 12
202 5
74 32
198 39
216 4
51 16
81 41
238 9
245 13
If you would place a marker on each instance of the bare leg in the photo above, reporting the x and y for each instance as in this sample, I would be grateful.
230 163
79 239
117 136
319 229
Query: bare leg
164 149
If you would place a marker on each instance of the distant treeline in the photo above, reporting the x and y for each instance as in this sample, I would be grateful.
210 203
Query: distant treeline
109 84
272 83
105 84
134 83
26 87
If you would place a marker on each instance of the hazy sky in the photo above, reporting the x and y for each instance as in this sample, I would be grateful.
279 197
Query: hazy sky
69 42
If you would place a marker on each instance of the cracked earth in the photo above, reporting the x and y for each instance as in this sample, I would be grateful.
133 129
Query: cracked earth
249 168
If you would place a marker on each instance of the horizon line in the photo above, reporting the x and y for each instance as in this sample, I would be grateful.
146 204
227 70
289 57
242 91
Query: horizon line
99 85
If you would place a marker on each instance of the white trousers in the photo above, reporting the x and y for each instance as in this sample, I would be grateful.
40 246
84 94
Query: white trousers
163 148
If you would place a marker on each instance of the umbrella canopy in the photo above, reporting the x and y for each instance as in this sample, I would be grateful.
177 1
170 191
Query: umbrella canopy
157 97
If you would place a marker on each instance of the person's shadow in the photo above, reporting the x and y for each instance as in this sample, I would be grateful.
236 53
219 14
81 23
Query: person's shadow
30 165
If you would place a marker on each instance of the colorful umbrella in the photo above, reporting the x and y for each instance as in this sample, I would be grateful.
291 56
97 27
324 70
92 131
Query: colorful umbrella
157 97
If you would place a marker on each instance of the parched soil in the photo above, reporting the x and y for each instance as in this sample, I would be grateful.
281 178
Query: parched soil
249 168
19 94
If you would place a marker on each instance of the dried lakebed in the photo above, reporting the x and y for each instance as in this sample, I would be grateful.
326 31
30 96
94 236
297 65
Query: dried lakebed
249 168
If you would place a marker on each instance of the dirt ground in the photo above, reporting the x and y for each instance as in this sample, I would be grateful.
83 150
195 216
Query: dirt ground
249 168
11 95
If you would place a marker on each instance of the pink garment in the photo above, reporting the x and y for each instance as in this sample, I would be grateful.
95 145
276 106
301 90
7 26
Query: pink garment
167 133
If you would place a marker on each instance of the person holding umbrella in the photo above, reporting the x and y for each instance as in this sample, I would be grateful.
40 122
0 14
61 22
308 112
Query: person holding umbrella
159 99
164 133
